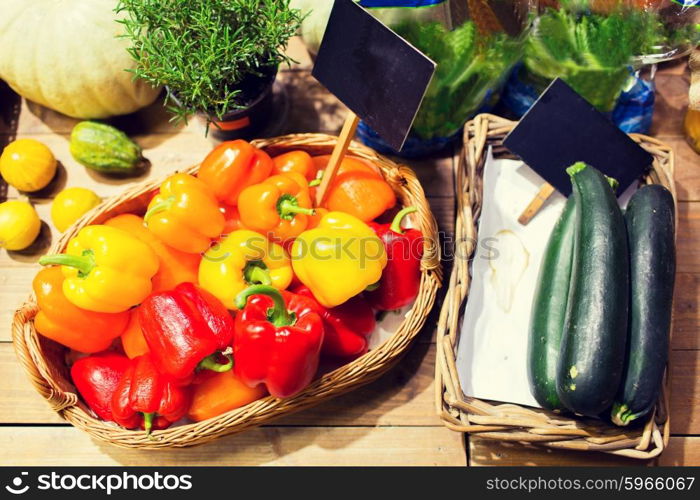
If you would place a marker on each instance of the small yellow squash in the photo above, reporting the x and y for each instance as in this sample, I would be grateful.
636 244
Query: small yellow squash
27 165
71 204
19 225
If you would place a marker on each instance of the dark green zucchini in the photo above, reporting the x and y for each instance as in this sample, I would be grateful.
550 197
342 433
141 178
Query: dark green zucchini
595 330
549 310
650 222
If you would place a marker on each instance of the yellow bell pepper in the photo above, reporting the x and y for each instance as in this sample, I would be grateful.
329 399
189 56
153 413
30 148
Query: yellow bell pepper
106 269
243 258
185 214
339 258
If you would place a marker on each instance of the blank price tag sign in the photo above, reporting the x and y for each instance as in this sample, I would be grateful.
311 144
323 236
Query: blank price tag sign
562 128
373 71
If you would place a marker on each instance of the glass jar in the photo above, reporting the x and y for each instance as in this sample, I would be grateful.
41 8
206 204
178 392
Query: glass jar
681 29
692 129
475 44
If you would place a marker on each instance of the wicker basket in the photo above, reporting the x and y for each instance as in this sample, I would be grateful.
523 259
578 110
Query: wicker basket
45 364
511 422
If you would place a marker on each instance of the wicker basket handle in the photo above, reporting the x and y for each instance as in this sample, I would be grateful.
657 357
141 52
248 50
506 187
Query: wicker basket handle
25 342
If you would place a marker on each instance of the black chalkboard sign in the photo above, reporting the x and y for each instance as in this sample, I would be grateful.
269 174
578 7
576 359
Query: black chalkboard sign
562 128
373 71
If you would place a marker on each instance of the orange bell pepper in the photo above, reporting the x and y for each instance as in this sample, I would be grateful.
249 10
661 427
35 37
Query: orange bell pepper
220 393
358 189
185 214
295 161
277 207
231 167
232 218
133 341
175 266
315 219
347 164
61 321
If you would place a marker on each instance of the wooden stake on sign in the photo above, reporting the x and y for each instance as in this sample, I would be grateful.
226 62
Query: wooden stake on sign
542 196
341 147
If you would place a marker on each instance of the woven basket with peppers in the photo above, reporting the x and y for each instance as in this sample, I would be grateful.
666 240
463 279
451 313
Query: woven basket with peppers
218 298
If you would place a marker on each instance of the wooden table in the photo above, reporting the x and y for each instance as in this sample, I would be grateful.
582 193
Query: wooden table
390 422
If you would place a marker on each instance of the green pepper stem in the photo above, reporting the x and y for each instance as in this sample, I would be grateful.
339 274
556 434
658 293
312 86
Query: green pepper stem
576 168
210 363
398 218
278 314
288 206
373 286
621 414
148 422
613 183
318 179
83 263
159 207
254 273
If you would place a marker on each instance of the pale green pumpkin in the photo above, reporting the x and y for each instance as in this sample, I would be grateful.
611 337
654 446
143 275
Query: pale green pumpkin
65 55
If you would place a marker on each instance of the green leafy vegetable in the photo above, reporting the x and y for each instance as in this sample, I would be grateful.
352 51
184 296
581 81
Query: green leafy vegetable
469 65
591 52
210 53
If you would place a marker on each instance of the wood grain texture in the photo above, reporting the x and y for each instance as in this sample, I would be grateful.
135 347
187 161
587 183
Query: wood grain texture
687 168
670 105
402 397
686 316
390 422
681 451
688 238
263 446
685 392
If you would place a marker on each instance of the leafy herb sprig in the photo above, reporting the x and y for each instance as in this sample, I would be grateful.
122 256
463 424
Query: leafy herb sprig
203 50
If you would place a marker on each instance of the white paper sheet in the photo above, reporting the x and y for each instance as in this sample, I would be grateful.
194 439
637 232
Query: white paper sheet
492 351
491 356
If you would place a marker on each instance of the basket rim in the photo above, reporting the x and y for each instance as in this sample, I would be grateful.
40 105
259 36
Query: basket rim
508 421
43 376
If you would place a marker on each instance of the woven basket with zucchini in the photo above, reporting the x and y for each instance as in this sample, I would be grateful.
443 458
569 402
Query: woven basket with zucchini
601 316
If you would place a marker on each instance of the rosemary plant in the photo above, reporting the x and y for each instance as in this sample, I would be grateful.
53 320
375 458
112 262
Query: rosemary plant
210 54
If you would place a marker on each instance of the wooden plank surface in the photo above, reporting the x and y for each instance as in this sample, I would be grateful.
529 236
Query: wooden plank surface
482 452
263 446
390 422
402 397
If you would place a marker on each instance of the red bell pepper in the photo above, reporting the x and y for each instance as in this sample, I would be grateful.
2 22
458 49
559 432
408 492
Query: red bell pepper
277 341
147 399
96 378
346 327
186 329
401 277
